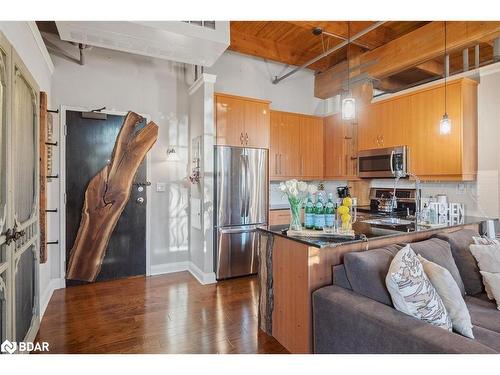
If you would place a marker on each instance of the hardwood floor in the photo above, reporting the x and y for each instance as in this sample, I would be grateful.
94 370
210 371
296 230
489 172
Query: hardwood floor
159 314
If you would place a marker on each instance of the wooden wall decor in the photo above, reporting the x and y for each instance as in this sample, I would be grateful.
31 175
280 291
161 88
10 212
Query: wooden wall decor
106 196
42 207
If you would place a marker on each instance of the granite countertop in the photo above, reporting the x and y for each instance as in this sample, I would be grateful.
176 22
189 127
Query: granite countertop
366 232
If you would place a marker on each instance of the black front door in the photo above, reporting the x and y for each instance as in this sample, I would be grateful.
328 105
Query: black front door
89 145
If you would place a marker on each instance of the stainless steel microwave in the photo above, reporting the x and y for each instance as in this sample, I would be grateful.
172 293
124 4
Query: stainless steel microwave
383 162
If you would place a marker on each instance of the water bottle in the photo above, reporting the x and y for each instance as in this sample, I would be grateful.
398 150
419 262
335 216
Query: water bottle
309 213
329 212
319 214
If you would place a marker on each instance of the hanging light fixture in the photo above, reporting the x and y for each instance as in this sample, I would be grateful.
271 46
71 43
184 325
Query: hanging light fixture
348 103
445 122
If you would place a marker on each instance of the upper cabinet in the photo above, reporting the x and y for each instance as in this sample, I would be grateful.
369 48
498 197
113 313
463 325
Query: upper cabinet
242 121
412 119
340 148
296 148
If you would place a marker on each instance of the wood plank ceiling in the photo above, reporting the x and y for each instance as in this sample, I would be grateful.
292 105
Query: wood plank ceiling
292 42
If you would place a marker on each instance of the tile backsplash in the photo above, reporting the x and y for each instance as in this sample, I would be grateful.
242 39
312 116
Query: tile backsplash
479 197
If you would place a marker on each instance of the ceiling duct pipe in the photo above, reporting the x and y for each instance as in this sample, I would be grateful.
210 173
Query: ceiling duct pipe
316 31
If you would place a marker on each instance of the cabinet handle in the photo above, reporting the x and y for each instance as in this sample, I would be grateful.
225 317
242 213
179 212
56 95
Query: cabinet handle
246 138
241 138
276 163
301 164
281 172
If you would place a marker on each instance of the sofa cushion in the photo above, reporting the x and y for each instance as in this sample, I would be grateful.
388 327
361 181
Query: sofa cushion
439 252
366 271
339 277
487 337
483 313
459 242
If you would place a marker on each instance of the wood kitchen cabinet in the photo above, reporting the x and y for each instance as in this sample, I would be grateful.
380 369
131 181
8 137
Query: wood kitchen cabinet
296 146
242 121
340 148
412 119
382 124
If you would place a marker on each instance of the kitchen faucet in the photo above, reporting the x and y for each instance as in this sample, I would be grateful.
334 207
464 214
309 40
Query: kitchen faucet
394 202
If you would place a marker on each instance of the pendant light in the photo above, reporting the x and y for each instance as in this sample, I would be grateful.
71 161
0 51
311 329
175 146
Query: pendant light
445 122
348 103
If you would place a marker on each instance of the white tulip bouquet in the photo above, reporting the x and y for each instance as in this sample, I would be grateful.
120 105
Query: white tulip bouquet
296 192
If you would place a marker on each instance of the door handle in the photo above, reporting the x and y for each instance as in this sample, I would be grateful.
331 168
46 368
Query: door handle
391 161
250 228
145 183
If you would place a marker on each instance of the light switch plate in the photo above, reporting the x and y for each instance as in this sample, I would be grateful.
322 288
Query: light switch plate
161 187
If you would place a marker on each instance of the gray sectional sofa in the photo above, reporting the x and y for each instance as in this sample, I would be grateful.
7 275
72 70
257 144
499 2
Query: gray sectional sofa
356 315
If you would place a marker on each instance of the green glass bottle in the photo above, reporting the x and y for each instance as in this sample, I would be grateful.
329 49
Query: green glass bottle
329 212
319 214
309 213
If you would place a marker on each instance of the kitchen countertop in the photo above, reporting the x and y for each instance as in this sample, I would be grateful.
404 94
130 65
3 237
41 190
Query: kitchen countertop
367 232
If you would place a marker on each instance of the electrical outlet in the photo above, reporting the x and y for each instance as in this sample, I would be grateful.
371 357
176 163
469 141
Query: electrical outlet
461 189
161 187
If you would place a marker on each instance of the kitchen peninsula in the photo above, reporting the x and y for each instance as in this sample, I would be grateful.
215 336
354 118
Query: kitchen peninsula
291 268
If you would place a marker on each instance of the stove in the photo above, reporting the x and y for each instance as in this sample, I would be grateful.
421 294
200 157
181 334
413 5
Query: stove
381 202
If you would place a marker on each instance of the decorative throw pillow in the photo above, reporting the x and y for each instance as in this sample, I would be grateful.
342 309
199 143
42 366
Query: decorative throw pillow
451 295
488 260
484 240
412 292
492 282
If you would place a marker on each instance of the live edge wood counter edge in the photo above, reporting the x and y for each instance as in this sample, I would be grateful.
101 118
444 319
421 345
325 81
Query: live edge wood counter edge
290 271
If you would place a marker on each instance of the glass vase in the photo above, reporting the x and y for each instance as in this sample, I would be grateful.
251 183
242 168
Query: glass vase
295 208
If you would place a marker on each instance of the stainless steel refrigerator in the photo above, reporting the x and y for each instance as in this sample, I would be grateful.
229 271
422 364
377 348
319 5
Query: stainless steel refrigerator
241 206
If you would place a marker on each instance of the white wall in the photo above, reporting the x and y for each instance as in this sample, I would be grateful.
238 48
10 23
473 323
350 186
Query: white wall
122 82
251 76
25 39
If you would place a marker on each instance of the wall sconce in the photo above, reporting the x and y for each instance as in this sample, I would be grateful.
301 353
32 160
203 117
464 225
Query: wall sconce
172 154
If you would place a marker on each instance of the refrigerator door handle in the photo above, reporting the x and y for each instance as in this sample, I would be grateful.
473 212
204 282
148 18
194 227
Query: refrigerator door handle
244 187
247 184
248 228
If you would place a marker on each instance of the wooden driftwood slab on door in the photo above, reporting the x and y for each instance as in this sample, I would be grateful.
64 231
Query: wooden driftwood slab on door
42 207
106 196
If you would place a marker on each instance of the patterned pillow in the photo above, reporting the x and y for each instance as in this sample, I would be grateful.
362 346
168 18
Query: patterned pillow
412 292
484 240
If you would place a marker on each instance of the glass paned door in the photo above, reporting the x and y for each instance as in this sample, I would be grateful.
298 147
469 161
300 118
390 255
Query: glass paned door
24 194
19 311
5 220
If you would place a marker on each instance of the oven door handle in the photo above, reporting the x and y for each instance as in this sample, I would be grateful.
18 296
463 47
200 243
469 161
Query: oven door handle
392 162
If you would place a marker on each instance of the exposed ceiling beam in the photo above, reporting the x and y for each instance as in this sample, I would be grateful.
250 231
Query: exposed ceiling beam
432 66
426 43
416 48
271 50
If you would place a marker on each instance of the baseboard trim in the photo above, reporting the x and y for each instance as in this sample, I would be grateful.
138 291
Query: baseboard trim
159 269
53 285
202 277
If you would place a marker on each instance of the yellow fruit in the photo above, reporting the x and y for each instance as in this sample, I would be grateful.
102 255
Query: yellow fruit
347 202
345 218
343 210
